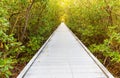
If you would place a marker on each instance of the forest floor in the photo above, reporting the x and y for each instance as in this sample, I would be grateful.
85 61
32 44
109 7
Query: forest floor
17 69
114 68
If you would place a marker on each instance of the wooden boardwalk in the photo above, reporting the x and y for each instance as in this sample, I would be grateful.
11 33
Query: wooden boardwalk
64 56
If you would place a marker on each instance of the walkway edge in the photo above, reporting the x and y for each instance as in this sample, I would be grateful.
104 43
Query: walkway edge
100 65
26 68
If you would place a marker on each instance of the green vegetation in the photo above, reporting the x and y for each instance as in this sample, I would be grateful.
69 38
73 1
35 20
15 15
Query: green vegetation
26 24
24 27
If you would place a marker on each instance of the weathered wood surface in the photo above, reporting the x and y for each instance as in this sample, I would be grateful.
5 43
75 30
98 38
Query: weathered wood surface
64 56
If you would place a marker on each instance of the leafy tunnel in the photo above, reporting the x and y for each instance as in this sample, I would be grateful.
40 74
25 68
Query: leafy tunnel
26 24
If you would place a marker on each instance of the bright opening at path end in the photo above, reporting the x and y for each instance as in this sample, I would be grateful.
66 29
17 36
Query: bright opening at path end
62 23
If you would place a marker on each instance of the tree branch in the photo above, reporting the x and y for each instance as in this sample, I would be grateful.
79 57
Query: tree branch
27 18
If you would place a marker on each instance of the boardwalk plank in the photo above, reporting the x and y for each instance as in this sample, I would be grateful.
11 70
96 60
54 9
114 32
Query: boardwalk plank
63 57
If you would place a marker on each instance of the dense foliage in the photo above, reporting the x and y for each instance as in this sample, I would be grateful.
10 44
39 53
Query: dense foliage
24 27
26 24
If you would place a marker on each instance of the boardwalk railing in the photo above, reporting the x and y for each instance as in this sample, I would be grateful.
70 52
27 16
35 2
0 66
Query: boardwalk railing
64 56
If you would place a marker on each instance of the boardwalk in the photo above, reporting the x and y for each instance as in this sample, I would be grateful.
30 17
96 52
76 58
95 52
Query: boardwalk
64 56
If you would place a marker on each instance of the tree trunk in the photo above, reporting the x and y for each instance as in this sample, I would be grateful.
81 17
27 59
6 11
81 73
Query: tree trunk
26 20
109 11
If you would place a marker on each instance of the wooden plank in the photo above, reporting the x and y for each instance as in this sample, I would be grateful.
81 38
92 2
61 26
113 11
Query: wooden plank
64 56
